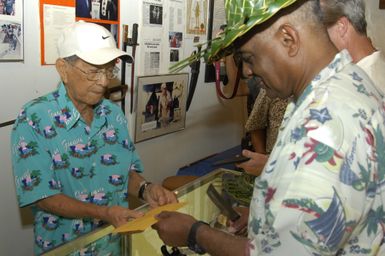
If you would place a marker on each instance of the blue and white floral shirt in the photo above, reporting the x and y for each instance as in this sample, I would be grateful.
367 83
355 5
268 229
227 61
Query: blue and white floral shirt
322 190
54 151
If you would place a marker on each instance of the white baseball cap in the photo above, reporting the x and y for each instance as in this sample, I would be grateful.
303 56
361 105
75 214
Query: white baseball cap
90 42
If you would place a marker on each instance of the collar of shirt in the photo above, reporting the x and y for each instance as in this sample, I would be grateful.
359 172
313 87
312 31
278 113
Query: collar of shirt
72 114
341 59
339 62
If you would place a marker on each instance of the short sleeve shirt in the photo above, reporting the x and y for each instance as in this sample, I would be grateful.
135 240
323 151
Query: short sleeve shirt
322 190
374 66
54 151
267 114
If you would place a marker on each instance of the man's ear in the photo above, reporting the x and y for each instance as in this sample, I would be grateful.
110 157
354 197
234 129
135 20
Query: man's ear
342 26
289 38
61 67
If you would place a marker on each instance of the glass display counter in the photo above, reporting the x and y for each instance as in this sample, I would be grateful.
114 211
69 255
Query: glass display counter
147 243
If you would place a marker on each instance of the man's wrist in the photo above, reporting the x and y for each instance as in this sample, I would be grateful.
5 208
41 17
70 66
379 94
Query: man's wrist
102 212
192 237
142 188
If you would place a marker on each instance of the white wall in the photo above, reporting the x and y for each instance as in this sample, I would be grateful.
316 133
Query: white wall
211 127
376 20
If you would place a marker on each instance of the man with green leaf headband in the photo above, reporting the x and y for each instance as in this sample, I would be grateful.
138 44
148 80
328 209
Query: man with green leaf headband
322 189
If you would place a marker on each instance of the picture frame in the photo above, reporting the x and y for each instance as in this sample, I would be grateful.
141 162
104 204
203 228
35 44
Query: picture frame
196 17
161 105
12 30
382 4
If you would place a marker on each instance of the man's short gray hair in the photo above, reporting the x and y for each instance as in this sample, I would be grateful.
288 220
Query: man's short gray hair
353 10
71 59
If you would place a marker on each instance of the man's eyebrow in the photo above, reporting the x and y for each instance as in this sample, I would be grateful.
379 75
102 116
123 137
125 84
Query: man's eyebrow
237 52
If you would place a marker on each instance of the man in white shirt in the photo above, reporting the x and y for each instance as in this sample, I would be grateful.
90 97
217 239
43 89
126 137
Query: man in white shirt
346 25
322 191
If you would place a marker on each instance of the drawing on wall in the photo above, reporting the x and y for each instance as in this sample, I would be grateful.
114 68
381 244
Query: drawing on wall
161 104
196 17
11 31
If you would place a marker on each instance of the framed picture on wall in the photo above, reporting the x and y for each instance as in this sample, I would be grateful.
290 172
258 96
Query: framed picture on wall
11 31
196 22
382 4
161 105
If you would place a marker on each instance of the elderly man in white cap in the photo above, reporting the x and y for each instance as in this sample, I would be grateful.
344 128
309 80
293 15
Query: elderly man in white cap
73 159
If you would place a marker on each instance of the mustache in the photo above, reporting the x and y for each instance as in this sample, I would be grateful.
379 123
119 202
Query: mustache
256 80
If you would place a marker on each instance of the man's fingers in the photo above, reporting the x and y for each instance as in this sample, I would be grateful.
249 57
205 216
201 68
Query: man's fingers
161 198
133 214
163 215
247 153
168 197
171 198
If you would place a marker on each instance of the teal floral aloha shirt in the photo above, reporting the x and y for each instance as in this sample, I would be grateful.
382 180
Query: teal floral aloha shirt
54 151
322 191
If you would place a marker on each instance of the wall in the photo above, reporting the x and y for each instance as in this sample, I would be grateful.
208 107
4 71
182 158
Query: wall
211 127
376 18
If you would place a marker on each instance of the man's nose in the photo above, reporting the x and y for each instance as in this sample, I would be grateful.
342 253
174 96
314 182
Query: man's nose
246 71
103 80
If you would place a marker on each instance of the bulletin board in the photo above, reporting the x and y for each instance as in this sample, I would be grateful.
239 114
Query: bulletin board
162 37
55 15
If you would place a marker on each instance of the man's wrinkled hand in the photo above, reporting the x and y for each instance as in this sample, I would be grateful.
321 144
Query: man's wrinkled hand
156 195
117 215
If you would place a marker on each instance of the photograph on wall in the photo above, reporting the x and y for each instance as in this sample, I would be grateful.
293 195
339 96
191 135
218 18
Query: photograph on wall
152 14
196 17
156 14
97 9
11 31
175 39
174 55
161 105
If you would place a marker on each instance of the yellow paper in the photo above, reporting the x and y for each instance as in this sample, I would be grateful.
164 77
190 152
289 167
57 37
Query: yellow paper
142 223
